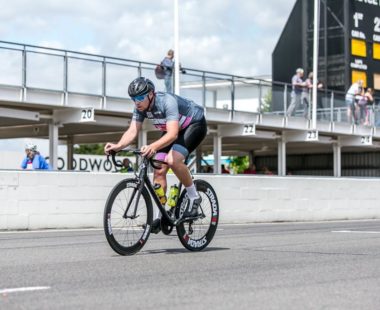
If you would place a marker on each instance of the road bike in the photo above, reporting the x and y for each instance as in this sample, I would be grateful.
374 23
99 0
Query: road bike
128 213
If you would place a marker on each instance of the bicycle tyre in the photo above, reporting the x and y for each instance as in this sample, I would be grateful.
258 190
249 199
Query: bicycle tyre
123 238
206 226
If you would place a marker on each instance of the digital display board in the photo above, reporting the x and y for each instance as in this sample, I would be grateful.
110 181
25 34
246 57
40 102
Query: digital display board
364 35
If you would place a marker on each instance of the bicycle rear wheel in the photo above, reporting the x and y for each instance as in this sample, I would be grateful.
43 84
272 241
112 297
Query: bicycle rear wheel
126 236
196 235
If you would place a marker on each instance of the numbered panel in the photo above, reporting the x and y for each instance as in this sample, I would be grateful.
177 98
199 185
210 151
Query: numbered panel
312 135
87 115
249 130
366 140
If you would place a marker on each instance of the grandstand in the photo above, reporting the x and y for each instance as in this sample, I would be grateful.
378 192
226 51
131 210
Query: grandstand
75 98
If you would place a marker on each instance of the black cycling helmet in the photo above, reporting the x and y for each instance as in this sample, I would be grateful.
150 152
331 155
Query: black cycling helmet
140 86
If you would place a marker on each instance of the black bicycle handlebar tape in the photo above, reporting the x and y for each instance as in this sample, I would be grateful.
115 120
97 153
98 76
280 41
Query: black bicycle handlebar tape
113 154
152 161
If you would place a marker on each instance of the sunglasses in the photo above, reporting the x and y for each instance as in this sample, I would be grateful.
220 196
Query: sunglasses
139 98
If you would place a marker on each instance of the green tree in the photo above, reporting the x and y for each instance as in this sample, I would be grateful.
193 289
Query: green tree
89 149
239 163
267 102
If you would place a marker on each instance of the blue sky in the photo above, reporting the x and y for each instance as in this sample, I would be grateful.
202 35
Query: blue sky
227 36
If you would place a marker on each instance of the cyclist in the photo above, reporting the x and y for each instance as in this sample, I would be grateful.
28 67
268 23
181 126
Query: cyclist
183 127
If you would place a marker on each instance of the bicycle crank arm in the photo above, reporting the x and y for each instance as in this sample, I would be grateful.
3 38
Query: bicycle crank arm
194 218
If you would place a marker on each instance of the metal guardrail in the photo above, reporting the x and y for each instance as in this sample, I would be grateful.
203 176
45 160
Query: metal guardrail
72 72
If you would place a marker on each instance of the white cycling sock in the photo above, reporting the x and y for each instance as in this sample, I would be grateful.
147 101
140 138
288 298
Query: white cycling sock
192 192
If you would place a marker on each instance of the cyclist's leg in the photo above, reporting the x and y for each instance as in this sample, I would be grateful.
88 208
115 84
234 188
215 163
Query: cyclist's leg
176 161
160 174
186 143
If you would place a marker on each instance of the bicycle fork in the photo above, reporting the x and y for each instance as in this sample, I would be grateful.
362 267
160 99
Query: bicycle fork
138 191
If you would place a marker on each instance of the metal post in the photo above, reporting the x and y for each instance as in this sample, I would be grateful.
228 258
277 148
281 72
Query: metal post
176 49
260 94
142 138
325 45
347 49
337 160
139 70
217 153
70 152
232 96
104 82
23 94
332 107
204 89
53 145
285 98
281 157
65 79
315 62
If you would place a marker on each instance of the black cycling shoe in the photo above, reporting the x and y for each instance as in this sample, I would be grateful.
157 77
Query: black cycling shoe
156 226
191 211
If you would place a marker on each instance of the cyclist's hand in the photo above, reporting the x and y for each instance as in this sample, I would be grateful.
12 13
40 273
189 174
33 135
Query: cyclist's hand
110 147
147 151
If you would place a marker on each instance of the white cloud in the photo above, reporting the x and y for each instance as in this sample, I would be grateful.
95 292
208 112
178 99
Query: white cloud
241 33
235 37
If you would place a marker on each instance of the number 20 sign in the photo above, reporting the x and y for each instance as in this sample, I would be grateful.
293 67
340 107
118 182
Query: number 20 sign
87 115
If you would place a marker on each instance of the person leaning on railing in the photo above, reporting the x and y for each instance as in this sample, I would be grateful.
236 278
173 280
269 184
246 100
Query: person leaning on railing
365 100
297 86
352 93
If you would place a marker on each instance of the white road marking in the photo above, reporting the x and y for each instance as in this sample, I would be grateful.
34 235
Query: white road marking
49 231
24 289
356 231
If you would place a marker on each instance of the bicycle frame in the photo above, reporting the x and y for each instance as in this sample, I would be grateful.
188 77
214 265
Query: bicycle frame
143 180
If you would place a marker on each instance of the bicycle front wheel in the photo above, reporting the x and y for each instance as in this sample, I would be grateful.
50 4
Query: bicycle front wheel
126 230
196 235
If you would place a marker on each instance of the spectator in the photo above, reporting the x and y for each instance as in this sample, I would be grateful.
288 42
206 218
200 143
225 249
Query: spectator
209 169
168 64
127 166
352 93
306 94
225 170
297 86
250 170
265 170
33 158
362 109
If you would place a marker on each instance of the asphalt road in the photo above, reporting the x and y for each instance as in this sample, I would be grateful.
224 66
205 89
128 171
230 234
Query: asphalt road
334 265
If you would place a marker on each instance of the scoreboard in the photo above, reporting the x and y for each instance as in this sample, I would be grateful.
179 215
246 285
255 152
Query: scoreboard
364 38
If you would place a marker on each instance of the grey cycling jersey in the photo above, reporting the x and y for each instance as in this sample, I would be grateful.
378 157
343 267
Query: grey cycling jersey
167 107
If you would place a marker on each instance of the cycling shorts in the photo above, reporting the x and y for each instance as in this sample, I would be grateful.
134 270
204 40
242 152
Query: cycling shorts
187 141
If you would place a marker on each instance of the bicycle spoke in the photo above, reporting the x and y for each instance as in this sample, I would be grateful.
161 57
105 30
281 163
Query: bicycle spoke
125 234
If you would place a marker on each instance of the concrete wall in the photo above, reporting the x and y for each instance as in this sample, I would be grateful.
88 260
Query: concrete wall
36 200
